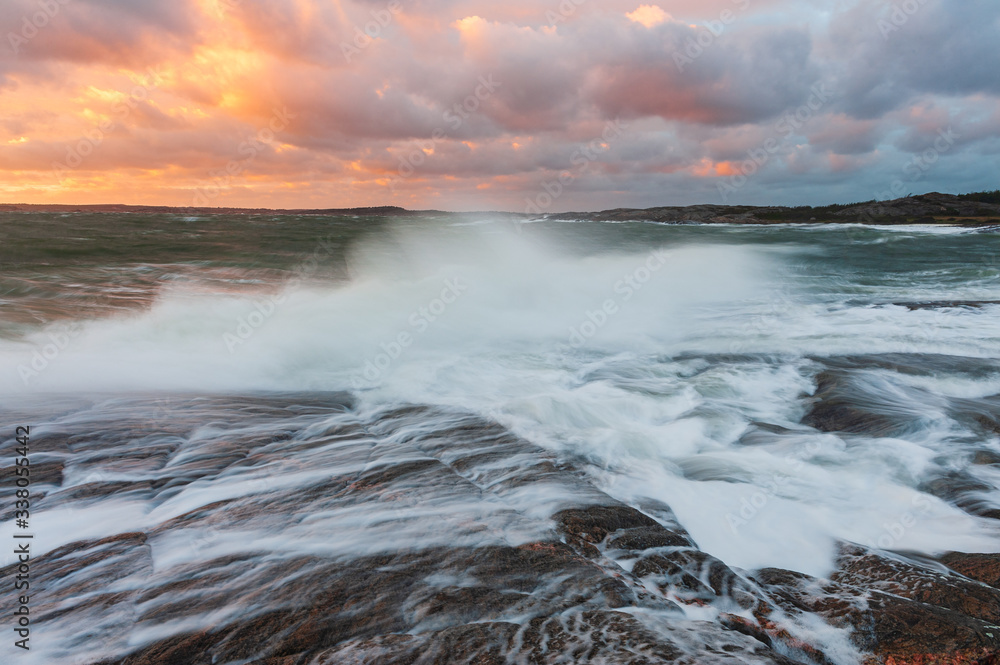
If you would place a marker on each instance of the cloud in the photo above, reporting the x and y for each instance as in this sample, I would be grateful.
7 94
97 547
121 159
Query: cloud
649 15
493 99
887 56
112 32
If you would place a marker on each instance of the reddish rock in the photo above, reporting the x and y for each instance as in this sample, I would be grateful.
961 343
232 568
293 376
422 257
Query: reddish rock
984 568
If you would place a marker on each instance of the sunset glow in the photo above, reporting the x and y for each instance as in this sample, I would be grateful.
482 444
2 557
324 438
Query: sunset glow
150 102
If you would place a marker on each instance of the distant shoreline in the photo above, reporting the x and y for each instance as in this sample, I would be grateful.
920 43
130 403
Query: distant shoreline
982 209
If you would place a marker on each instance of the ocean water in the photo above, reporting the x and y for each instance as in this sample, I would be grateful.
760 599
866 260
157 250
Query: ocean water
201 380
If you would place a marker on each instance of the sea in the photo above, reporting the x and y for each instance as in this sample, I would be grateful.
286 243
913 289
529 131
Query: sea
339 420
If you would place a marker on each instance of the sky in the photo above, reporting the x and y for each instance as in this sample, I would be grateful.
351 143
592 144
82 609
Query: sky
521 105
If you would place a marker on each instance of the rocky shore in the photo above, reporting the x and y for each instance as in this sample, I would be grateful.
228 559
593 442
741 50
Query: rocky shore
572 575
932 208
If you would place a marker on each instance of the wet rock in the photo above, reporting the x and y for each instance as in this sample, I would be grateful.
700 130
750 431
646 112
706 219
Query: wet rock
329 603
461 604
796 593
912 633
479 644
947 304
696 577
386 474
985 457
990 424
48 441
760 433
484 453
180 650
540 602
644 538
914 364
590 637
594 523
835 409
873 571
663 514
774 635
97 490
594 637
902 612
597 583
42 473
961 489
982 567
108 559
89 589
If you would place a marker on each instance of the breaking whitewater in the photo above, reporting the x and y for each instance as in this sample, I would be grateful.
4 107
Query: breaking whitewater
302 439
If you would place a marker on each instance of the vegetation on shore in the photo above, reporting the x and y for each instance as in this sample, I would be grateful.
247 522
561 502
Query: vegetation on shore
976 208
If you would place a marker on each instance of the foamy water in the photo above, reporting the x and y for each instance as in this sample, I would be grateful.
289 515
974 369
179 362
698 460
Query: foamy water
675 365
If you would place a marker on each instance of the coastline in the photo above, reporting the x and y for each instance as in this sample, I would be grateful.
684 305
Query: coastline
933 209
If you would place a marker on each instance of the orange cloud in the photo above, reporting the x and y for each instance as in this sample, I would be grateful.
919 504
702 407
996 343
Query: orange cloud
649 15
150 104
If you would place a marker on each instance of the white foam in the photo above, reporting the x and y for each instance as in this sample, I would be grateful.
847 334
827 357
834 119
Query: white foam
502 348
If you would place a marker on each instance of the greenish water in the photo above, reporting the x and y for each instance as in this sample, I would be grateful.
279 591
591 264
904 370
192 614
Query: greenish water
674 363
85 265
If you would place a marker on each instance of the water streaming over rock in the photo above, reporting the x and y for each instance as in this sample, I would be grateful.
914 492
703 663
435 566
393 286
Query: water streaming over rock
302 439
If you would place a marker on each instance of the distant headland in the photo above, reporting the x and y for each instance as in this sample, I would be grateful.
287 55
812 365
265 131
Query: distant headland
978 208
